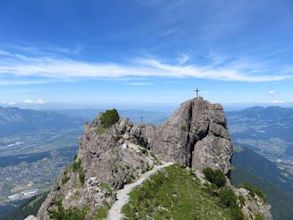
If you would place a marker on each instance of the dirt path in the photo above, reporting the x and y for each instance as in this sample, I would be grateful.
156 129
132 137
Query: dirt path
122 194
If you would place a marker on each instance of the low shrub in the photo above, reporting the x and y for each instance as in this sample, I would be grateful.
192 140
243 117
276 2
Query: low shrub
212 189
106 187
227 197
77 168
67 214
76 165
65 179
109 117
236 214
216 177
101 212
81 175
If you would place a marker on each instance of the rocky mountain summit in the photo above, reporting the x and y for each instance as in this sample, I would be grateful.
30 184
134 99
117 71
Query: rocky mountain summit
111 156
196 135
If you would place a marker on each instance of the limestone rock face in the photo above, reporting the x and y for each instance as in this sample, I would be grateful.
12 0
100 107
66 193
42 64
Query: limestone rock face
196 135
253 205
109 159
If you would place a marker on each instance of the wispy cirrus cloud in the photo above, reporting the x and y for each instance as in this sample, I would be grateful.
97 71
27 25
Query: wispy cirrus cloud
59 68
23 82
32 101
139 84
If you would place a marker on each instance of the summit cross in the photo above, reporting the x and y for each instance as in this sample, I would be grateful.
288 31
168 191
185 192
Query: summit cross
197 91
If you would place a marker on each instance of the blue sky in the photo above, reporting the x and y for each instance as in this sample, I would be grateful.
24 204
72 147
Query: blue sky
133 53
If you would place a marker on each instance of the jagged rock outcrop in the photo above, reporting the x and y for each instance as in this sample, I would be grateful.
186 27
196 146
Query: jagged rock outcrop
107 159
253 204
196 136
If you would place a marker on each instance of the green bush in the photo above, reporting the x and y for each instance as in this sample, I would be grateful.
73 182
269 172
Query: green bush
76 165
65 179
109 118
67 214
216 177
236 214
227 197
101 213
106 187
211 189
81 175
254 190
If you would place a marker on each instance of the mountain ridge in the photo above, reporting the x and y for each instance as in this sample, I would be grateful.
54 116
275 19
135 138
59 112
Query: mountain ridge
18 121
195 136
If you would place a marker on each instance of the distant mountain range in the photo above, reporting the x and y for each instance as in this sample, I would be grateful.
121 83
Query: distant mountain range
19 121
262 122
263 113
269 131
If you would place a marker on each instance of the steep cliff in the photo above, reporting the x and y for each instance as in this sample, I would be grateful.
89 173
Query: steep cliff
195 136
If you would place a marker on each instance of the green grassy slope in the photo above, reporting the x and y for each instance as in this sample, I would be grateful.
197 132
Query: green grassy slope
174 193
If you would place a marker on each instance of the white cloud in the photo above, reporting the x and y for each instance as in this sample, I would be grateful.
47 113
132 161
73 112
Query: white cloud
139 84
61 68
37 101
277 102
11 103
8 103
271 92
22 82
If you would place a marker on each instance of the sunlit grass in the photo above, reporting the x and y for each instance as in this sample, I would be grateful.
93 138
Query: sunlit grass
173 193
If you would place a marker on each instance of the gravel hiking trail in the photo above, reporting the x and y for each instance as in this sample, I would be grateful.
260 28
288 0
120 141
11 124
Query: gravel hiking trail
123 194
